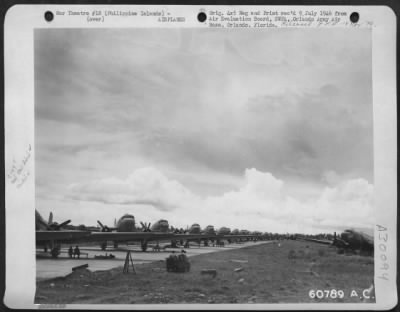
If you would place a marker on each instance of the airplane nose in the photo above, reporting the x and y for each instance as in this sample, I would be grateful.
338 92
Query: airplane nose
127 225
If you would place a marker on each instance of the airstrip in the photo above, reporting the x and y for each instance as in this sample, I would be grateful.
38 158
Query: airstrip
47 267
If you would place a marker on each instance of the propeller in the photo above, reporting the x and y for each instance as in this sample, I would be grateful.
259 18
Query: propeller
104 228
145 227
59 226
54 226
172 229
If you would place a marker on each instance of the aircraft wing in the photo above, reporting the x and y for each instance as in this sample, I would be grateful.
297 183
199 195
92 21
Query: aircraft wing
123 236
240 236
86 236
368 238
215 236
61 235
128 236
319 241
194 236
227 236
322 241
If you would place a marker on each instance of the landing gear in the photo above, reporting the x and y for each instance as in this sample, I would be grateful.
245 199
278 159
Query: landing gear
115 244
186 244
205 242
55 252
173 244
144 246
103 246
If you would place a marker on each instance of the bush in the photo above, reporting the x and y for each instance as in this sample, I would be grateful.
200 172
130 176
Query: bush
178 263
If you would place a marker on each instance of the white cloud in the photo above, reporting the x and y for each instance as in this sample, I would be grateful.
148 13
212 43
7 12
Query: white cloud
144 186
350 202
330 177
261 203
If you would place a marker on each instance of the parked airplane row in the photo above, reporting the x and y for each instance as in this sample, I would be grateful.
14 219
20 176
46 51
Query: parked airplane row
51 235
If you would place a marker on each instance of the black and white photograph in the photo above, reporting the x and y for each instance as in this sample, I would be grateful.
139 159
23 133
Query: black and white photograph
258 143
182 166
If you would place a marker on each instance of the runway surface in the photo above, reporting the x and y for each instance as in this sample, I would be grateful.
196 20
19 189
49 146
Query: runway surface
47 267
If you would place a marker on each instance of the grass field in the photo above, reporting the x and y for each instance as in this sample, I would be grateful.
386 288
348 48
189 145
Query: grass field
271 274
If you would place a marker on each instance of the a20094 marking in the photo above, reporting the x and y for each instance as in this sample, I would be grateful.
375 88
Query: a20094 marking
382 250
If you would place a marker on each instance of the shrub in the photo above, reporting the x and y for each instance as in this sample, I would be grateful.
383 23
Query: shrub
178 263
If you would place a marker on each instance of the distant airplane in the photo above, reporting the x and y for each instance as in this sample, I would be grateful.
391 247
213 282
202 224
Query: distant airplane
224 231
125 224
160 226
349 239
194 233
195 229
356 240
49 234
42 225
209 230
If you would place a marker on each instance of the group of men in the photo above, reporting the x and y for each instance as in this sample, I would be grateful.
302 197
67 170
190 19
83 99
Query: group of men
74 252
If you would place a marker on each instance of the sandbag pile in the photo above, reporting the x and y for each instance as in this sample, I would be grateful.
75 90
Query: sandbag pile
178 263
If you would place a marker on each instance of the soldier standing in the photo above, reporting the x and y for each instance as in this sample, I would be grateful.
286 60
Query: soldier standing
70 251
77 252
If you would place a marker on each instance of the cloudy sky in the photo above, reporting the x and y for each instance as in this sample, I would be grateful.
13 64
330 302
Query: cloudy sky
265 130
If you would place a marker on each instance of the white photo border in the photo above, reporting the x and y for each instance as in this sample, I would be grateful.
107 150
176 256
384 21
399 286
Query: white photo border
19 25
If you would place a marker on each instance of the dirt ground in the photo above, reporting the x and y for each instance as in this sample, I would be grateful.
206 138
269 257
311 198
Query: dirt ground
271 273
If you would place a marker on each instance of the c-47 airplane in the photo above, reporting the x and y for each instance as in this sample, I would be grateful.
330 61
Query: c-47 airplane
356 240
41 224
125 230
50 234
361 240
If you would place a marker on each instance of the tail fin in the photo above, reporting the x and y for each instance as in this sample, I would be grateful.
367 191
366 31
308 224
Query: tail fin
50 218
